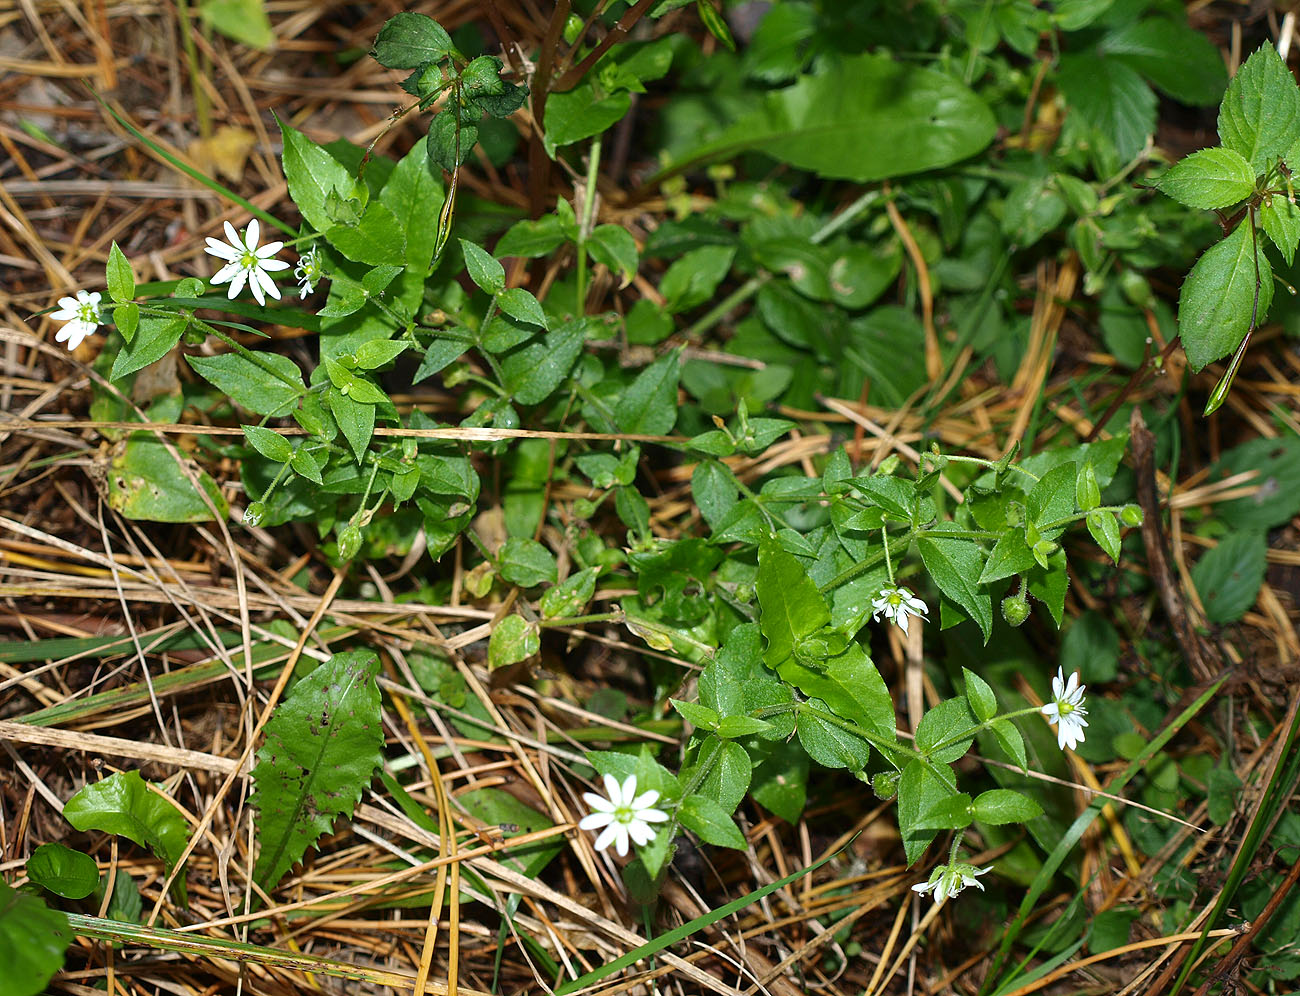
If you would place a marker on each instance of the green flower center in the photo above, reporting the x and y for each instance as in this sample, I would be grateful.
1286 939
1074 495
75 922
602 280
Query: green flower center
895 598
248 259
87 312
1064 708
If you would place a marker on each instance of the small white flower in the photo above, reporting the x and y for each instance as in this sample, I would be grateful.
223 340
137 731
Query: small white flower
246 262
308 272
624 814
82 316
897 604
1066 709
948 880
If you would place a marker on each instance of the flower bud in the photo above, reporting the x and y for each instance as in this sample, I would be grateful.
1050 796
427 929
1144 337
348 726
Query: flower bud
254 513
1131 515
584 508
349 542
572 29
1015 609
1087 495
885 784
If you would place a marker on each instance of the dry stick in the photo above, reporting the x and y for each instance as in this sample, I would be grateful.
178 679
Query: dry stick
265 717
933 361
616 34
1143 443
539 163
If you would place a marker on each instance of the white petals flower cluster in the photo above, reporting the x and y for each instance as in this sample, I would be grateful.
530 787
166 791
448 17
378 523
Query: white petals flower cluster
948 880
308 272
1066 710
623 815
897 604
245 262
82 316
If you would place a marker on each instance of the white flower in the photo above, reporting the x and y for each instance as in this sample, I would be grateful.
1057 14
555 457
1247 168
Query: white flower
82 315
246 262
1066 709
308 272
624 814
897 604
948 880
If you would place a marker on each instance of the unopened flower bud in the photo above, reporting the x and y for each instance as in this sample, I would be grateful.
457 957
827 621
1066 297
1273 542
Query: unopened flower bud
1015 609
254 513
1130 515
349 542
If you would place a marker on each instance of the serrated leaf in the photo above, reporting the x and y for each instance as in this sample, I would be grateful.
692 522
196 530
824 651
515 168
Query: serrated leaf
1281 220
485 271
33 938
1175 57
123 804
121 281
324 743
1211 178
711 822
269 443
649 405
63 871
408 41
1218 297
1260 113
513 639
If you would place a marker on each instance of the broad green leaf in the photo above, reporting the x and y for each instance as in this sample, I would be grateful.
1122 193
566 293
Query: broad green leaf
1260 114
792 606
32 941
829 744
378 352
693 278
714 488
1052 498
1228 577
1211 178
243 20
1111 97
408 41
522 305
154 338
954 564
864 118
304 463
919 791
121 281
357 420
123 804
735 727
649 405
1179 60
532 372
1281 220
780 779
269 443
526 562
614 246
127 319
145 482
1010 555
253 385
483 269
1071 15
699 716
1009 739
513 639
1218 297
497 807
1105 530
729 772
312 174
999 806
979 696
580 113
449 146
950 719
1034 207
711 822
63 871
503 332
414 194
378 239
323 745
438 355
570 596
952 813
531 239
850 685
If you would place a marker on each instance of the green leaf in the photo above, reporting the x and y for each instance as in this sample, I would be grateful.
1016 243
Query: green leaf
32 941
828 744
952 813
694 276
532 372
521 304
379 239
1176 58
1009 739
950 719
513 639
1105 530
355 419
711 823
1228 577
413 194
1052 498
614 246
850 686
526 562
792 606
408 41
979 696
63 871
127 319
919 791
304 464
582 112
1034 207
1218 297
954 564
483 269
700 716
438 355
570 596
1211 178
714 488
864 118
450 144
1260 113
1111 97
121 281
998 806
377 352
269 443
728 772
735 727
123 804
323 745
649 405
243 20
1281 220
145 482
252 385
154 339
312 174
531 239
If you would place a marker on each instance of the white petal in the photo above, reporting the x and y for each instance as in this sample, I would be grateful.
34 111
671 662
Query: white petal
64 314
620 838
646 799
269 250
629 790
612 790
901 620
255 285
236 283
221 250
598 803
268 284
1052 711
652 815
94 297
69 303
227 272
594 821
608 834
272 265
640 833
233 237
251 234
921 887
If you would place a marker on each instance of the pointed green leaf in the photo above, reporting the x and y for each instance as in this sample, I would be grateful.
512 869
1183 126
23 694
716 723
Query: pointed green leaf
1211 178
121 281
408 41
649 405
123 804
1218 297
1260 114
1281 220
792 606
33 938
